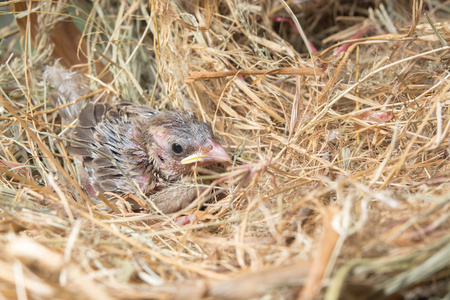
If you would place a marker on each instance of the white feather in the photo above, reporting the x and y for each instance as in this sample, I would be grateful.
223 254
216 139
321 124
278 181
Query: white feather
70 87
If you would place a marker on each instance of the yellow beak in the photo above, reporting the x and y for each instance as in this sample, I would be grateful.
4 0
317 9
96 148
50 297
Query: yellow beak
213 155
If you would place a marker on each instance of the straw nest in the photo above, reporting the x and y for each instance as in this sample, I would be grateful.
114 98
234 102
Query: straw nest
336 114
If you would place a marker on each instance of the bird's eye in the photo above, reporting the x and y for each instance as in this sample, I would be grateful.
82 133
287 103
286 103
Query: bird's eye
177 148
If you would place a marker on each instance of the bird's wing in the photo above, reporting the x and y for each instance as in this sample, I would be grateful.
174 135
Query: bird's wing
105 139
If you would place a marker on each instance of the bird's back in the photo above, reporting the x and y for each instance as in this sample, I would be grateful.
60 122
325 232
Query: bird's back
105 140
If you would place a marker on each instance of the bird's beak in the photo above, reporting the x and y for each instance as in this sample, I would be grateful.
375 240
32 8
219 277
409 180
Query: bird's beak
207 155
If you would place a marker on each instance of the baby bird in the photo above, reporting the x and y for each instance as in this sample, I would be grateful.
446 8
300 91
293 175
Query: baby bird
127 148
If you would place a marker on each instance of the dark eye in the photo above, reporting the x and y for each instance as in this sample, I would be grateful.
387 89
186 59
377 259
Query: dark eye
176 148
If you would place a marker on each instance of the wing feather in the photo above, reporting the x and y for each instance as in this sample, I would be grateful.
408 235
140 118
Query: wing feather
110 131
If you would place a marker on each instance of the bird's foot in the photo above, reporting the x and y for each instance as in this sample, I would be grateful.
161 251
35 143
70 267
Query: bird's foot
185 220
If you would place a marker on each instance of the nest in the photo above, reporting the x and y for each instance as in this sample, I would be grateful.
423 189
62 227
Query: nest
336 114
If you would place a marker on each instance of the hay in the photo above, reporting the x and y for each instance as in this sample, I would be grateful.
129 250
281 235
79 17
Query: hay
339 185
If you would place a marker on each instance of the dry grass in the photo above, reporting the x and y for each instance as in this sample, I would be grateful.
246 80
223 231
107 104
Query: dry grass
339 186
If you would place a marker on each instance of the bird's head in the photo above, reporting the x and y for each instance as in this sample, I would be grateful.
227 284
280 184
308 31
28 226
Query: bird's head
177 141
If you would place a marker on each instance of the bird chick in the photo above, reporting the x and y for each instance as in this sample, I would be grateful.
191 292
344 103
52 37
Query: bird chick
124 146
128 148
